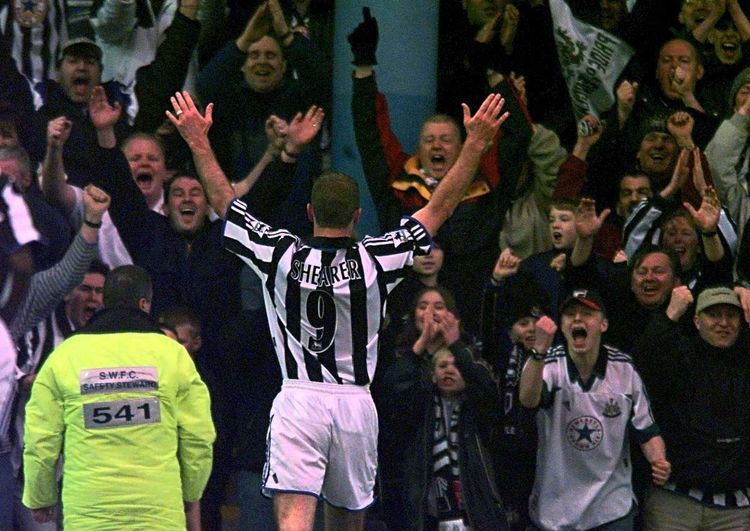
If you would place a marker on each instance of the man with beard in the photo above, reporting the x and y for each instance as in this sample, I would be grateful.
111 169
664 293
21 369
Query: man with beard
700 387
588 396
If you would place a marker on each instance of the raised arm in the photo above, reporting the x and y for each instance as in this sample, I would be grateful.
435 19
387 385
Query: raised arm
47 288
276 130
739 18
158 80
114 20
193 128
702 30
723 153
480 130
532 382
588 225
54 187
706 220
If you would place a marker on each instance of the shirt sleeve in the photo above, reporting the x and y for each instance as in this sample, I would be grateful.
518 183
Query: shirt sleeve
396 249
195 431
553 367
252 240
642 419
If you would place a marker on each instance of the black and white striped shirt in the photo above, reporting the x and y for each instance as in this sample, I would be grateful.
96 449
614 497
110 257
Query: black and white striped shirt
325 300
36 31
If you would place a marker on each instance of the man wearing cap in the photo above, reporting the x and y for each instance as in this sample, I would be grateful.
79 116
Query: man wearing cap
79 71
700 387
588 396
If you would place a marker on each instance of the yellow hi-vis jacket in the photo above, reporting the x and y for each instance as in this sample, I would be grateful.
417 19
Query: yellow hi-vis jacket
132 417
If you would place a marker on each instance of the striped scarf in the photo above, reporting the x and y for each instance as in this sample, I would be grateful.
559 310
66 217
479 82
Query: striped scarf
444 500
445 445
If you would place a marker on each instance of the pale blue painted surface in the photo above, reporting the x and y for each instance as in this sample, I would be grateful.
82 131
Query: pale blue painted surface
406 74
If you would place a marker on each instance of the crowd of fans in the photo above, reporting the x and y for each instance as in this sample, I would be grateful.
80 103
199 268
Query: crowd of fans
646 207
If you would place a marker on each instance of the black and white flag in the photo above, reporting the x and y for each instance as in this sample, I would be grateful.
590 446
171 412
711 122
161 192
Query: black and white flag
591 60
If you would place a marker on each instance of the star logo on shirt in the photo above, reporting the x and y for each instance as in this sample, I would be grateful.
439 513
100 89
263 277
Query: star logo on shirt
585 433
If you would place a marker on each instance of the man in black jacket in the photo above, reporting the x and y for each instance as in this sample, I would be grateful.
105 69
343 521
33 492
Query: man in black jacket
700 387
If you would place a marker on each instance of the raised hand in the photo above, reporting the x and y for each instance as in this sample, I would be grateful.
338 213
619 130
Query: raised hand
95 203
509 27
102 114
302 129
276 130
744 108
58 131
277 18
257 27
559 262
429 333
626 94
620 257
706 218
699 179
744 295
364 40
544 333
506 265
678 79
594 133
680 124
679 175
487 32
191 124
483 126
680 301
450 328
519 83
587 222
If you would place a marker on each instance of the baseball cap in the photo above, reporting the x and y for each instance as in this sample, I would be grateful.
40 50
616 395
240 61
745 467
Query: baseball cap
654 124
586 297
81 47
713 296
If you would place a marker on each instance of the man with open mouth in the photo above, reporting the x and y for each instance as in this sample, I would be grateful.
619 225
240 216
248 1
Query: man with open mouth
589 399
401 183
79 71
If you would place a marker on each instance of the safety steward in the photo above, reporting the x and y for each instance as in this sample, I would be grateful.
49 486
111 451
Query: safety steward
126 407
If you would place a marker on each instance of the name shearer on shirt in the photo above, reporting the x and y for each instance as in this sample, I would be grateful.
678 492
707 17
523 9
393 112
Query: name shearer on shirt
324 275
115 379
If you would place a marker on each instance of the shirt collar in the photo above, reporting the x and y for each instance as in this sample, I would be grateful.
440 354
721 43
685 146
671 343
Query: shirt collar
600 369
324 242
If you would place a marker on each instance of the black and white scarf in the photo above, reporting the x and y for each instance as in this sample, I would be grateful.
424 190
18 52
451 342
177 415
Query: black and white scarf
445 445
442 498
